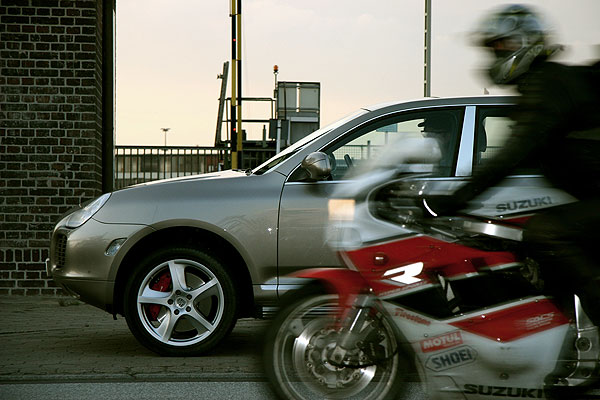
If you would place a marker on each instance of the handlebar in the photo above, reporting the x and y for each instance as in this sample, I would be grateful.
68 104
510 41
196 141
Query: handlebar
403 202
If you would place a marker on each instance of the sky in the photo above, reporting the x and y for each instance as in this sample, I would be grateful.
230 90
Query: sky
169 53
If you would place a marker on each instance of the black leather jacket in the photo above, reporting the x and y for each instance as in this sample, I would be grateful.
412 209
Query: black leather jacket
558 121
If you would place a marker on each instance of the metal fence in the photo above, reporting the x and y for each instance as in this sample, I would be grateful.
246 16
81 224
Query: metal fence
139 164
359 152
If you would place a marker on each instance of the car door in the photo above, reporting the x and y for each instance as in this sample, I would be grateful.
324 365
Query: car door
303 206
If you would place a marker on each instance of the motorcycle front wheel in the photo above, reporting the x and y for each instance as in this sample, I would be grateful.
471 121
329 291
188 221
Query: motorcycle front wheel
299 346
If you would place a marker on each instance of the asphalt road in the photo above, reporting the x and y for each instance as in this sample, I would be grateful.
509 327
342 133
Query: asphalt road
66 350
50 339
137 390
62 349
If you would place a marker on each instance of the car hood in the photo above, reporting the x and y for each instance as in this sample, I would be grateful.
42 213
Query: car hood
206 197
210 175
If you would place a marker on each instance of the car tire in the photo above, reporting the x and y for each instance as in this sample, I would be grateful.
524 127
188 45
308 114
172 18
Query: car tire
183 316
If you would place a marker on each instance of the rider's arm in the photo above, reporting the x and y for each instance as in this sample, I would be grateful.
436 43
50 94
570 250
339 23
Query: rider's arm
541 112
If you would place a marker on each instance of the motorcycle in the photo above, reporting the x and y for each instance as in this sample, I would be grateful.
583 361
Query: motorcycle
455 303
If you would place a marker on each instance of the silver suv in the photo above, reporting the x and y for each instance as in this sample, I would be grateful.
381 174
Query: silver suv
183 259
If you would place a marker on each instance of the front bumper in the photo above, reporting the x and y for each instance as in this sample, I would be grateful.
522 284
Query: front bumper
78 261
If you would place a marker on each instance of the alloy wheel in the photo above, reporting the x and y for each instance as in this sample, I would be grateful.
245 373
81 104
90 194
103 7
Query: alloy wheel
180 302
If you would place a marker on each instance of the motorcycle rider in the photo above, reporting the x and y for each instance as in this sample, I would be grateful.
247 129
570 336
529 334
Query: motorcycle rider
557 121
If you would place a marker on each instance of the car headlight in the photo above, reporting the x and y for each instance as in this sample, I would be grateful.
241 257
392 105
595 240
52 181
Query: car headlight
80 217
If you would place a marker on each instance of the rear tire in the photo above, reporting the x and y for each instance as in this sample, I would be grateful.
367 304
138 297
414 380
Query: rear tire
180 301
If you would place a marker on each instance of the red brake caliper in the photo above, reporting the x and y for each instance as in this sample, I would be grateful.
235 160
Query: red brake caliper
161 284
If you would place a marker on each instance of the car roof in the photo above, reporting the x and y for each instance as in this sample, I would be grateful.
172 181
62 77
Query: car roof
444 101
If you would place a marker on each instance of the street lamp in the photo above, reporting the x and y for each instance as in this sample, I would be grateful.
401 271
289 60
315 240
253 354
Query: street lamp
165 130
427 86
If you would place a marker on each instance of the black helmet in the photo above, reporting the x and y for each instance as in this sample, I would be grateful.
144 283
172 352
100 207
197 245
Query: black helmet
518 36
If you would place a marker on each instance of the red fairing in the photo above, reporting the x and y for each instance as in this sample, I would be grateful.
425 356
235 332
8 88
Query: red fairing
520 220
378 263
346 283
514 322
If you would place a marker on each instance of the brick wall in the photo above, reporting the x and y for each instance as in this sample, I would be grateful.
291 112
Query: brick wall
51 129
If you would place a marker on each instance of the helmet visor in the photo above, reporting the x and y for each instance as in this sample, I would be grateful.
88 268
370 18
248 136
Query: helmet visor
505 47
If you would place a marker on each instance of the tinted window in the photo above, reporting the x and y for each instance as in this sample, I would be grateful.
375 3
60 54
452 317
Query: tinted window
493 128
299 145
371 143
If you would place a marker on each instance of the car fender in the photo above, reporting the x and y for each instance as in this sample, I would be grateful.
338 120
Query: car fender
208 227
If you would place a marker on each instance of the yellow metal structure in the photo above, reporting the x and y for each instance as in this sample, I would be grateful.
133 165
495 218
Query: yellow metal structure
236 83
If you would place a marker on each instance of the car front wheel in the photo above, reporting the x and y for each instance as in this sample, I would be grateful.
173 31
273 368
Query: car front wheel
180 302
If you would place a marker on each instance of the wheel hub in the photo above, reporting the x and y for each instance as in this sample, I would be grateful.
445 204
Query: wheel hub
181 302
317 355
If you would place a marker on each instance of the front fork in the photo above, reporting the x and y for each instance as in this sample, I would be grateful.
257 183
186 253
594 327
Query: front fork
351 326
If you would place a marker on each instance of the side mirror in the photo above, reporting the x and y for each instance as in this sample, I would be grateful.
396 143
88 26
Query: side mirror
317 165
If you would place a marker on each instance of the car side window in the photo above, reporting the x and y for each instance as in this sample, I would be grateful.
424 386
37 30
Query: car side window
493 128
370 143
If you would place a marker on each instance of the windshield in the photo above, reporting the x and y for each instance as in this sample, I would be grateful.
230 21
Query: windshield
299 145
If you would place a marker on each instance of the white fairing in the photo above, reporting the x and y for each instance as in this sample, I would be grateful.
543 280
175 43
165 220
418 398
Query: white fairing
514 197
456 364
